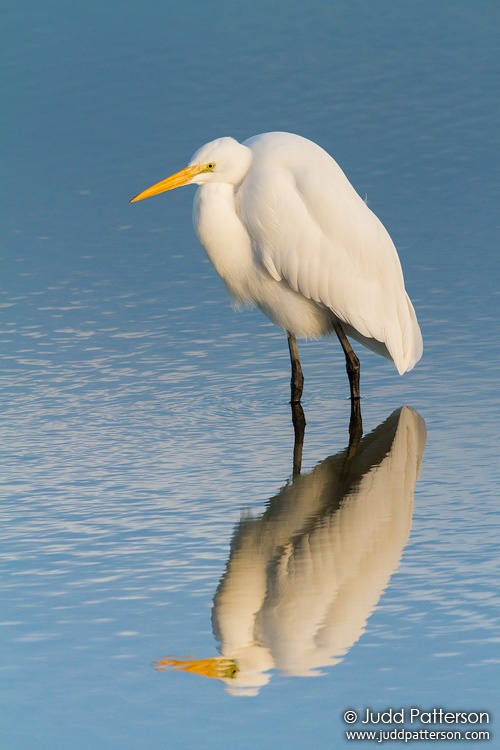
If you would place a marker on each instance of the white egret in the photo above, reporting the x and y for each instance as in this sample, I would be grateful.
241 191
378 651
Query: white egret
287 232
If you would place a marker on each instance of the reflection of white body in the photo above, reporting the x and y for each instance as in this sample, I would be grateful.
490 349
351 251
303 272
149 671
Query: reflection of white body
302 580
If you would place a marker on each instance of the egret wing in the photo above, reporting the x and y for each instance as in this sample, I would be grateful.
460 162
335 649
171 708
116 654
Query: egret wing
310 228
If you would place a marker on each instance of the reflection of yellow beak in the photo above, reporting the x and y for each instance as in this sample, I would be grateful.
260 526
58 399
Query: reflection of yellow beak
176 180
216 666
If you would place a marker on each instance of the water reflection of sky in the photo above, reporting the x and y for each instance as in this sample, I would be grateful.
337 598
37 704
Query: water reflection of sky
141 416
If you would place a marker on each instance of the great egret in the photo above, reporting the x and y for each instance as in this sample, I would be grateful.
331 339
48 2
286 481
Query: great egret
287 232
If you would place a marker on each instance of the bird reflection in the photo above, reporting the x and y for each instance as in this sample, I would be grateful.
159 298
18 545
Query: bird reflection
303 578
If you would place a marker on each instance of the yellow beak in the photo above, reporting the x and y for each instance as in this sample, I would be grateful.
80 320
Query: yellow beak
176 180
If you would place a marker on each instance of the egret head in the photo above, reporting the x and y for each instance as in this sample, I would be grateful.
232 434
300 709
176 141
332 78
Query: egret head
223 160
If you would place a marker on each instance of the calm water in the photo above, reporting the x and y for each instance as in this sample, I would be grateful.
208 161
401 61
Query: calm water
149 518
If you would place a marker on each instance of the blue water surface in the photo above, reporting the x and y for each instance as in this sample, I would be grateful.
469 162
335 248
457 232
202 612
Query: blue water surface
149 517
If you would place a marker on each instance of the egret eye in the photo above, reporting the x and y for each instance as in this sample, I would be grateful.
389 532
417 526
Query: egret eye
211 166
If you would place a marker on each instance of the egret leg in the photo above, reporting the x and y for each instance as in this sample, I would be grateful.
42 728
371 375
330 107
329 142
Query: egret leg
299 426
351 361
297 381
353 372
355 427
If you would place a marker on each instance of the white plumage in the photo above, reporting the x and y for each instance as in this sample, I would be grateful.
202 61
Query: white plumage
287 232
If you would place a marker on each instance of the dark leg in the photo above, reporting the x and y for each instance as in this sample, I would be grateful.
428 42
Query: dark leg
297 381
299 426
355 427
351 361
353 370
